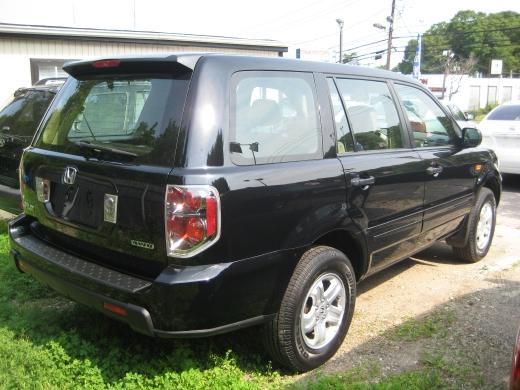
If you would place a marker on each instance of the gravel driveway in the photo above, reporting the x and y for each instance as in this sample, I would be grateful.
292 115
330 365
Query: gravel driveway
482 301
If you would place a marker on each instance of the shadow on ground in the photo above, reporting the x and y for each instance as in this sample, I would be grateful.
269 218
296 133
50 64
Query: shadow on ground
464 343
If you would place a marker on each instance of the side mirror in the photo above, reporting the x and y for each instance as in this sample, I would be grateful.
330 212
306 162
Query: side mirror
469 116
471 137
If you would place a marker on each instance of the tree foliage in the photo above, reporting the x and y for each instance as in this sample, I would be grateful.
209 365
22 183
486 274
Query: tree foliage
468 35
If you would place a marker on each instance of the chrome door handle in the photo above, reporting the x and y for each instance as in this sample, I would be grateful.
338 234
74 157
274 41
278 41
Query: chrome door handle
434 171
359 182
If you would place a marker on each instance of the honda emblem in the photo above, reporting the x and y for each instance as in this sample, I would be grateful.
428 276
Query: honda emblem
69 176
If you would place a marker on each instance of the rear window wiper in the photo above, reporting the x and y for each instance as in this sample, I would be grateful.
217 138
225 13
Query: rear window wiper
97 147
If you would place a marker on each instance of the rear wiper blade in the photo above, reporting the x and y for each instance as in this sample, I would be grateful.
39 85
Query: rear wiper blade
92 146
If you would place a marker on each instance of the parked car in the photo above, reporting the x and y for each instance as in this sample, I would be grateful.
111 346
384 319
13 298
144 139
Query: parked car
501 132
18 122
190 195
514 382
463 119
51 81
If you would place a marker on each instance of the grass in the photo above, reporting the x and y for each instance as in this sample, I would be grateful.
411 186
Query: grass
433 325
48 342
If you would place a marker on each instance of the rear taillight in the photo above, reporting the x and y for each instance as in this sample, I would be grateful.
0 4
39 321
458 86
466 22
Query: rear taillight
192 219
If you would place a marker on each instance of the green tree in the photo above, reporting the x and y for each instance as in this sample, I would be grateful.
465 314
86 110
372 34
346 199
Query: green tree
469 34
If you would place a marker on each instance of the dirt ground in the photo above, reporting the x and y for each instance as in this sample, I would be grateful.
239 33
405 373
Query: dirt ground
482 298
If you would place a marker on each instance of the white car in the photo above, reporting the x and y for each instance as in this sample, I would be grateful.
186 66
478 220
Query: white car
501 132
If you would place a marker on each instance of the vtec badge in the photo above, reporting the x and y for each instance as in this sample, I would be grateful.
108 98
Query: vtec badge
110 208
142 244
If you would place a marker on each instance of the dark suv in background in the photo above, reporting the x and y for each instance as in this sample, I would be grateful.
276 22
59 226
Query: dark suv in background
192 195
19 120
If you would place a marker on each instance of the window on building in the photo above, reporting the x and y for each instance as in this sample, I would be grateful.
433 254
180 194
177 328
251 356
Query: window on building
474 97
46 69
492 95
507 93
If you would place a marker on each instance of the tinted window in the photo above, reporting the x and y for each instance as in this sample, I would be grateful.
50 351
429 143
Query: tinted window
505 113
138 115
429 124
372 114
274 118
23 114
456 112
344 139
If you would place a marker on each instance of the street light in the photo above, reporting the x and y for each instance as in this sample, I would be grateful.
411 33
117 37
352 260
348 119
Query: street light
340 24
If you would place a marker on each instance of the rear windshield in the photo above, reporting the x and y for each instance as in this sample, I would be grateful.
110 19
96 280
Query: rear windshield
22 115
134 118
506 113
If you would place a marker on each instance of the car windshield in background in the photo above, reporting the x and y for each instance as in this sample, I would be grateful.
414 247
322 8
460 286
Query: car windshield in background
22 115
506 113
116 118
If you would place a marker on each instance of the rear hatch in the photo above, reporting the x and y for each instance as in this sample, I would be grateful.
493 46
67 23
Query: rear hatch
96 174
19 120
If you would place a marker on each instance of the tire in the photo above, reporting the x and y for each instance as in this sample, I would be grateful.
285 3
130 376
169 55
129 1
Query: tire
321 272
478 242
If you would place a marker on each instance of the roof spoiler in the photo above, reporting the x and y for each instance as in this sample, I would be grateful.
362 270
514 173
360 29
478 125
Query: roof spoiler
117 65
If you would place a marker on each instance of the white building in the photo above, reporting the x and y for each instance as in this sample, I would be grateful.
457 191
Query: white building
30 53
470 93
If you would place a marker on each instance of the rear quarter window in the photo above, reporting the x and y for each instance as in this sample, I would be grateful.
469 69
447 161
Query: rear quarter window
274 118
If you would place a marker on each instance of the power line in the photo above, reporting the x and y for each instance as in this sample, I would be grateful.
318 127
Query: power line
347 27
447 36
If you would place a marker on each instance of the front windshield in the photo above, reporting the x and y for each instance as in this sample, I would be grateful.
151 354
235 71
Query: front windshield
132 114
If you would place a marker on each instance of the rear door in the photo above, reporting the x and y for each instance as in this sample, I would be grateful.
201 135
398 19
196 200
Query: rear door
97 172
448 169
383 173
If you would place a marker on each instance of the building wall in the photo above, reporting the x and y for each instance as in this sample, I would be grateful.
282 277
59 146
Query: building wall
474 92
16 53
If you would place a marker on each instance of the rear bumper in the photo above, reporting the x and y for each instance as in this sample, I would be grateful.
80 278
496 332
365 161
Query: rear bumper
10 199
181 302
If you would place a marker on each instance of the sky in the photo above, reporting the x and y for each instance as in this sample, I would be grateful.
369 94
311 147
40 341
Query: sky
305 24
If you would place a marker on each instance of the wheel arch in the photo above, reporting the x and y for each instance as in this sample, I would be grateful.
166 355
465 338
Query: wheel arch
493 182
352 244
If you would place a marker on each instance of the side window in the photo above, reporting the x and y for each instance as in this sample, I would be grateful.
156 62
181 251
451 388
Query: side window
372 114
429 124
274 118
344 141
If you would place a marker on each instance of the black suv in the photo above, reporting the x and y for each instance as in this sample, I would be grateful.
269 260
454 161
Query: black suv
191 195
19 120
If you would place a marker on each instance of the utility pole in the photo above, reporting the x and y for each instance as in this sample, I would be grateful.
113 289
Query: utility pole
340 24
390 20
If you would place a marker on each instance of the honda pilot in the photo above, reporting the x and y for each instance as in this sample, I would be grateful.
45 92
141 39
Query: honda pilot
191 195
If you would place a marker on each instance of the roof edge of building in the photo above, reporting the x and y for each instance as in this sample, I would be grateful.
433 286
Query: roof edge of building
138 36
